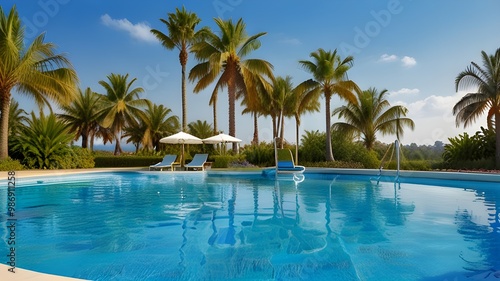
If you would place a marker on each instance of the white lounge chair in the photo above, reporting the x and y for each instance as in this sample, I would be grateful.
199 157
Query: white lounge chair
198 162
167 162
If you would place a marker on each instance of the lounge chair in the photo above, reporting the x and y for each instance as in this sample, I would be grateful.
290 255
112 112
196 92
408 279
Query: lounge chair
285 163
167 162
198 162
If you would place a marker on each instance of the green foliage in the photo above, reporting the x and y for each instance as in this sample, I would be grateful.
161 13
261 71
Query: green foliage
312 147
77 157
103 161
261 155
10 165
465 151
44 142
226 161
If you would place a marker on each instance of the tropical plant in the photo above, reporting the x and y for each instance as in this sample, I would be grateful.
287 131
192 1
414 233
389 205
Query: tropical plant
329 73
312 148
486 99
120 106
200 129
280 105
158 123
17 117
44 141
181 35
370 115
465 148
81 115
34 70
221 59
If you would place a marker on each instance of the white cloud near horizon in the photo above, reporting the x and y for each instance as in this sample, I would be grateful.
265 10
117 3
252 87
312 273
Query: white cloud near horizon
408 61
404 91
291 41
140 31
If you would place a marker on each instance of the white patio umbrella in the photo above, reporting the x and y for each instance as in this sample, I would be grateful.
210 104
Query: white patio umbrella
181 138
221 138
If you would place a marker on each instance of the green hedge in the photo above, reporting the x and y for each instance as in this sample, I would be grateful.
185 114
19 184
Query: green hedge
126 161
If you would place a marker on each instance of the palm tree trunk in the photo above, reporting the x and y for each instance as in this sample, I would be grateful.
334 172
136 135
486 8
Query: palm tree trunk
118 148
4 126
255 129
232 117
214 105
329 153
282 130
92 136
184 102
497 135
297 127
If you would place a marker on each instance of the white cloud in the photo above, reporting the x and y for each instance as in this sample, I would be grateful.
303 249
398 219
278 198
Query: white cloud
140 31
388 58
405 91
408 61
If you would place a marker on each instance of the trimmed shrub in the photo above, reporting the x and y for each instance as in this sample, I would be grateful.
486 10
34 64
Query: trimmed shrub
10 165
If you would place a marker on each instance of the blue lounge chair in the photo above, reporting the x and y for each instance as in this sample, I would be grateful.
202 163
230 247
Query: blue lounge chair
167 162
198 162
285 163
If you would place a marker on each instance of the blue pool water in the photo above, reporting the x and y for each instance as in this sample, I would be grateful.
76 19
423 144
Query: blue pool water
202 226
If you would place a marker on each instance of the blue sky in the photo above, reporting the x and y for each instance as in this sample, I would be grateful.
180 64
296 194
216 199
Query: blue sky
414 49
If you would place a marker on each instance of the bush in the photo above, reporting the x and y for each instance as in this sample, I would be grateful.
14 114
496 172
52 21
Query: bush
76 158
471 152
43 142
261 155
10 165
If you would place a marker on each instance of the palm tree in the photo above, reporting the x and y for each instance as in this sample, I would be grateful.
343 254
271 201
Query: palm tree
120 105
329 77
301 103
81 115
159 123
181 35
370 115
17 116
34 70
486 98
201 129
222 60
257 107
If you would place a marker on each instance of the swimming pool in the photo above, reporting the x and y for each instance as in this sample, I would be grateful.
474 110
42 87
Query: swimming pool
208 226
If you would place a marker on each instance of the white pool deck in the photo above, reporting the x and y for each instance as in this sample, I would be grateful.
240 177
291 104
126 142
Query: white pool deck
26 275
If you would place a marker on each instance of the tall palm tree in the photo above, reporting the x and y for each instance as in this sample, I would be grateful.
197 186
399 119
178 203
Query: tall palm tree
329 77
159 123
81 115
301 103
221 60
34 70
486 99
181 35
257 107
370 115
120 105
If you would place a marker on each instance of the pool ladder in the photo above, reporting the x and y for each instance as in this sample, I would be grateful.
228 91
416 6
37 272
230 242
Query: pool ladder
396 180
